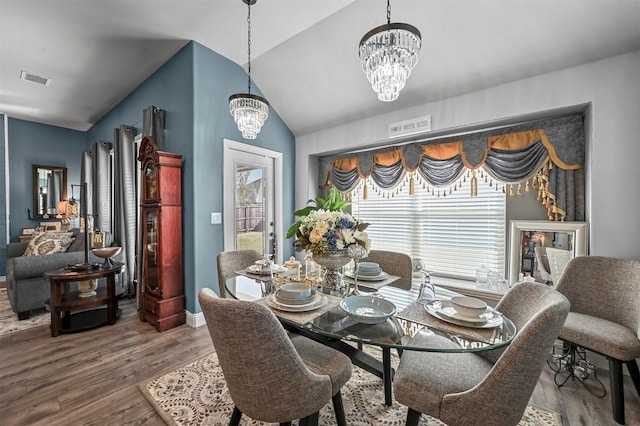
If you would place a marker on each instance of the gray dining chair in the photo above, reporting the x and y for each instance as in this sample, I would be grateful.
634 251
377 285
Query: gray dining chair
270 377
393 263
230 261
469 388
605 316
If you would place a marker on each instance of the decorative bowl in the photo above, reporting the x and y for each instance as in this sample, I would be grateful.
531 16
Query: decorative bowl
294 291
468 306
106 253
369 268
368 309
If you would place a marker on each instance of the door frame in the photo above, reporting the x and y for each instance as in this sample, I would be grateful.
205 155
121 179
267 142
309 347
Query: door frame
228 190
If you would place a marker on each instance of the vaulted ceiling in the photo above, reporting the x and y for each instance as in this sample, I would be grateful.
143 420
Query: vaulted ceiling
304 52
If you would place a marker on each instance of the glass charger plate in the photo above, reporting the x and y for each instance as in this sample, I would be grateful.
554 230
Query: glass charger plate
380 277
435 308
320 301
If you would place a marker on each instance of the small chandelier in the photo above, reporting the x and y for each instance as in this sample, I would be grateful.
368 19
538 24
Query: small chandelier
249 111
388 54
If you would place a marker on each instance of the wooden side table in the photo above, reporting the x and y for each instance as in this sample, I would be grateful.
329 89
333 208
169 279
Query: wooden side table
63 301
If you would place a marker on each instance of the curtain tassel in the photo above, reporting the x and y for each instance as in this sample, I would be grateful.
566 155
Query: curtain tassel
519 189
365 192
474 185
526 187
412 186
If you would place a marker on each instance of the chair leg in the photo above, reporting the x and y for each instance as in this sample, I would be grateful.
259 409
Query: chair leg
632 366
413 417
617 391
310 420
289 423
338 408
235 417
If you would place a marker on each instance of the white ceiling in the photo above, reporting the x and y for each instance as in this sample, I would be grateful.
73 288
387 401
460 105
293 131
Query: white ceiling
304 52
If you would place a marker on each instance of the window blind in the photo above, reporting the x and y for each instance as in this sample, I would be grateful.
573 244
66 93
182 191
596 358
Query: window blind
452 234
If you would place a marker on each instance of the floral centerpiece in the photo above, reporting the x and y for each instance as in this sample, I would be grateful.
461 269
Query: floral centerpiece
324 229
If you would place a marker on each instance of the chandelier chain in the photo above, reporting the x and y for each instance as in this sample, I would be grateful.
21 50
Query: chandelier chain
249 45
388 11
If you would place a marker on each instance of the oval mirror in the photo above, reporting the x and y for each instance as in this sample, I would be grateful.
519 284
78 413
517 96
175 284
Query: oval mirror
49 188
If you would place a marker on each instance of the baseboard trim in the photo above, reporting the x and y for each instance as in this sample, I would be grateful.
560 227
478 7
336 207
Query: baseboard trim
195 320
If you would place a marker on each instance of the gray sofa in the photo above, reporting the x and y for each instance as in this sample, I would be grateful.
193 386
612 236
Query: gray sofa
26 287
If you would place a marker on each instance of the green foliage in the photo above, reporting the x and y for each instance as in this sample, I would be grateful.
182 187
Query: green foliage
331 203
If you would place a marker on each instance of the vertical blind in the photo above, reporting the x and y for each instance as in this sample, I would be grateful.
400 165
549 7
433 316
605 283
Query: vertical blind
452 234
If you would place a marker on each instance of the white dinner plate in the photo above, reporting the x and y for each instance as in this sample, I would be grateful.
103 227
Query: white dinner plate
319 301
295 302
442 309
380 277
257 269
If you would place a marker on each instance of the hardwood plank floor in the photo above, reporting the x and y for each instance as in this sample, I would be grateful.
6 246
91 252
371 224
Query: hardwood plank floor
91 378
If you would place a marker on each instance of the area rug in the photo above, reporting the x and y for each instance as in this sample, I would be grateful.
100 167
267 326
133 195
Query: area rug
196 394
9 320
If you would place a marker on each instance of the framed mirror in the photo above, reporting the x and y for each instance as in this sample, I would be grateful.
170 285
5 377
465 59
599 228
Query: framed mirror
49 188
540 249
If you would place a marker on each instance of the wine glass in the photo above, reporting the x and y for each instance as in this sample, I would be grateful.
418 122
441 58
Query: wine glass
357 253
427 292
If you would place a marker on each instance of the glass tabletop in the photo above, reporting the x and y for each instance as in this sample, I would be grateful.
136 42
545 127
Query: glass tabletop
412 327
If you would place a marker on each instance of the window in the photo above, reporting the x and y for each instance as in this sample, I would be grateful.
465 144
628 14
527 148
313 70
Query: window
453 234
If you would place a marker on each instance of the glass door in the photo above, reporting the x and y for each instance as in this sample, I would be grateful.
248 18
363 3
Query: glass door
251 199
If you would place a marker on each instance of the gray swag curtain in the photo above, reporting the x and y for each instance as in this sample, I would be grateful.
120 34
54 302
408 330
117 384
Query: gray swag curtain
546 155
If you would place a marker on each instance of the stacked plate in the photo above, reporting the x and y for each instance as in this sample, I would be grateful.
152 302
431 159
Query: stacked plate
296 297
368 271
444 310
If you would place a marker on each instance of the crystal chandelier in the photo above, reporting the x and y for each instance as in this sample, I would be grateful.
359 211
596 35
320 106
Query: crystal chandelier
249 111
388 54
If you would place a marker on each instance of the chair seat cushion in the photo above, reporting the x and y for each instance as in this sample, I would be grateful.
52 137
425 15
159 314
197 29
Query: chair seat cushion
324 361
455 372
602 336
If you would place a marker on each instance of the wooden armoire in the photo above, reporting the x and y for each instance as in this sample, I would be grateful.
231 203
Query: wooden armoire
162 301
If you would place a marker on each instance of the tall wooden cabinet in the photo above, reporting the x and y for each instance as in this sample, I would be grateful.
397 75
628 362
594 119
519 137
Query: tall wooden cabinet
162 301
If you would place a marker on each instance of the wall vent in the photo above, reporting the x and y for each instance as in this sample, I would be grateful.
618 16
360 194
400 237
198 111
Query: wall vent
34 78
408 127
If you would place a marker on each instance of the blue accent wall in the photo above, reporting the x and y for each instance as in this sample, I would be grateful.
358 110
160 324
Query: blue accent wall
33 143
193 88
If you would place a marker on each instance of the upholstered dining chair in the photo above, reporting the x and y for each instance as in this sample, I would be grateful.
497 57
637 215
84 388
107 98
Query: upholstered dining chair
558 259
469 388
543 263
270 377
230 261
393 263
605 316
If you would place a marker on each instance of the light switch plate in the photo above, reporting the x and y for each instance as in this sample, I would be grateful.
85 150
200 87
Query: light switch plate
216 218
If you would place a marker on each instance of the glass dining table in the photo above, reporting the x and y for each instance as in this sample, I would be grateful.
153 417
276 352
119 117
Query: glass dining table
413 326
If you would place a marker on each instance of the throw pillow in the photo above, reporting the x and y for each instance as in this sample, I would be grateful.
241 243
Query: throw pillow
49 242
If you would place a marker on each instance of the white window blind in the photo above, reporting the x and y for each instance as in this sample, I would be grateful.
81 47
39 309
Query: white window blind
453 234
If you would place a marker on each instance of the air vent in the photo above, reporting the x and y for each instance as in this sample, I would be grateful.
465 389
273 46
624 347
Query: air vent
408 127
34 78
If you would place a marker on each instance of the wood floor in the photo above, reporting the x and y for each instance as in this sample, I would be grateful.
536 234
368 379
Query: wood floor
91 378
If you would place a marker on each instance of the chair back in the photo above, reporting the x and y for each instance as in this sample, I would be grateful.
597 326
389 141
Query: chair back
538 311
543 263
261 367
558 259
230 261
604 287
393 263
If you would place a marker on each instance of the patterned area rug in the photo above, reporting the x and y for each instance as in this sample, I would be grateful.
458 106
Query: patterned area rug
9 320
197 395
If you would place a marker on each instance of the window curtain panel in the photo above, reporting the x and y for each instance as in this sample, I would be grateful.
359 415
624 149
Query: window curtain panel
124 201
153 124
547 155
95 172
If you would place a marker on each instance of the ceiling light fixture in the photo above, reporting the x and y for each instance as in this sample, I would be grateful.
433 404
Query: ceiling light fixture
249 111
388 54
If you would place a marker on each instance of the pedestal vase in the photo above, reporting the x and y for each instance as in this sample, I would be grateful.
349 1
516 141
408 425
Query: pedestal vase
333 261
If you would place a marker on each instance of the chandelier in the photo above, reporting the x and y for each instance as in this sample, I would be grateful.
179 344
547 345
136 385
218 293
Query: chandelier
388 54
249 111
